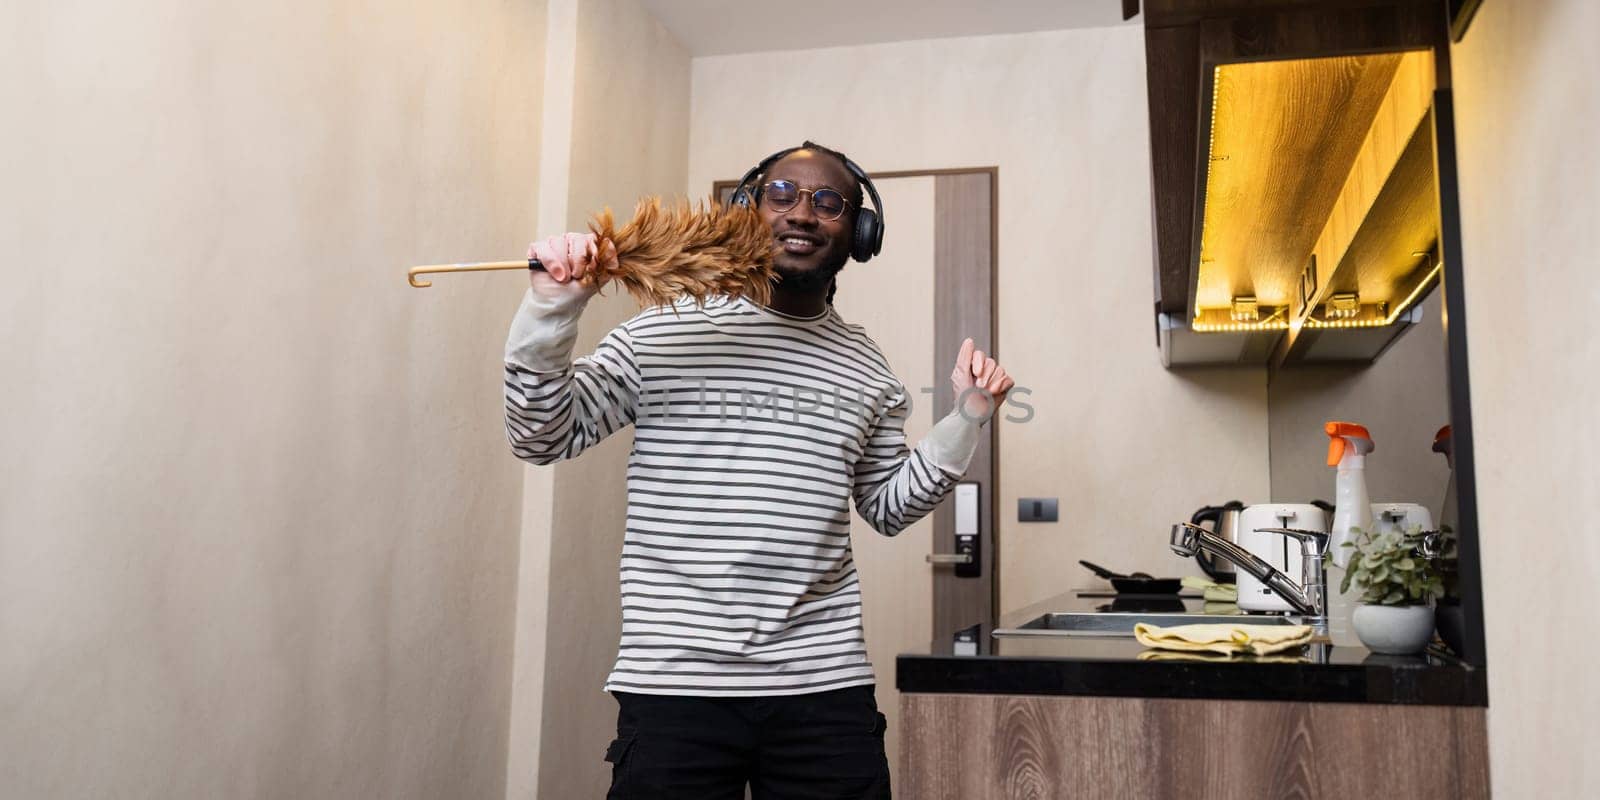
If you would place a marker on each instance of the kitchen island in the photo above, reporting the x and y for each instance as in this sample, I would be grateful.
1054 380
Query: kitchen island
1051 715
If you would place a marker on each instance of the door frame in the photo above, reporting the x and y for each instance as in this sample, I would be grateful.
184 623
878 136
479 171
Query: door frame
958 603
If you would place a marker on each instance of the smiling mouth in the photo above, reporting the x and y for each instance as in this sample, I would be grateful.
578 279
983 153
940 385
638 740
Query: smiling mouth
798 244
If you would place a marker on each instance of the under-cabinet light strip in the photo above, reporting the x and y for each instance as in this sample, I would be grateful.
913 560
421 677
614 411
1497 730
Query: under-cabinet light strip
1278 325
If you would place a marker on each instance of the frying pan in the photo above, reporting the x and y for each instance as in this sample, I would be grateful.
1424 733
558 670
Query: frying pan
1137 583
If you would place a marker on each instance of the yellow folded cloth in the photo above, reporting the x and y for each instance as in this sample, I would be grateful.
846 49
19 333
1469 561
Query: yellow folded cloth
1229 640
1219 609
1211 590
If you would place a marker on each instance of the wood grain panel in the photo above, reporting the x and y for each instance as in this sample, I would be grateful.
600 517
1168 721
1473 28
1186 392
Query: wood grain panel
1320 30
964 280
1404 221
1385 211
982 746
1368 750
1172 73
1393 130
1273 760
1395 158
1180 12
1470 738
1284 134
995 746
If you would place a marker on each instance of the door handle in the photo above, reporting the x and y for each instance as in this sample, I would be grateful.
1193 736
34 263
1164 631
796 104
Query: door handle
967 559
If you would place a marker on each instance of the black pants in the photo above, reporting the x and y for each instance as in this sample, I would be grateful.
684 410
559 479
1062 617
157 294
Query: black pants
822 745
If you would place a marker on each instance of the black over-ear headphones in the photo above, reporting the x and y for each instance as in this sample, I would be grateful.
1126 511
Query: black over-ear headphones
868 236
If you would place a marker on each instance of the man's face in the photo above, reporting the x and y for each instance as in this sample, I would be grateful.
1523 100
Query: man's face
809 250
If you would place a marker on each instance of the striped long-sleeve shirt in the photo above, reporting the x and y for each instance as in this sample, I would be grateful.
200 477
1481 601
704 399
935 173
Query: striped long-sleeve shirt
753 432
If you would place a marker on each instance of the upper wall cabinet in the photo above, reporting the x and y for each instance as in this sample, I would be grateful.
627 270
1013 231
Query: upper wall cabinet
1293 175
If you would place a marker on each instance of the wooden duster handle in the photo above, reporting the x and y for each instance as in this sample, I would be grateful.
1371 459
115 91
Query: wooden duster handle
481 266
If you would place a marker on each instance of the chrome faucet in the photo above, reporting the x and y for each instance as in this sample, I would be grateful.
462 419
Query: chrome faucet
1309 597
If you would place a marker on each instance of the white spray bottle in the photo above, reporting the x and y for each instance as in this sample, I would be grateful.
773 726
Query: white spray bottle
1348 446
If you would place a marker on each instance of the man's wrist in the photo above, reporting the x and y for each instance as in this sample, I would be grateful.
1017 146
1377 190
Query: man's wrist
952 441
975 405
544 331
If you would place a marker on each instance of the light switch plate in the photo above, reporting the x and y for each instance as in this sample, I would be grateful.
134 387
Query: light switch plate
1036 509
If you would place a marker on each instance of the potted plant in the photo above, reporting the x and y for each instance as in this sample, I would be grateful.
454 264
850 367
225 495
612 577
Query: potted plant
1397 585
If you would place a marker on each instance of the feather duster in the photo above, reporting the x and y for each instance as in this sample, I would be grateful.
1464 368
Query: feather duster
676 250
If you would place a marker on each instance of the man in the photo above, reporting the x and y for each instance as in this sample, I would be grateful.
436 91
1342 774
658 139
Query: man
742 658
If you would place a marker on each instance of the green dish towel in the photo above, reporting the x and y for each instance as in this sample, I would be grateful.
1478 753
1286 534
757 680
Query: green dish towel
1212 591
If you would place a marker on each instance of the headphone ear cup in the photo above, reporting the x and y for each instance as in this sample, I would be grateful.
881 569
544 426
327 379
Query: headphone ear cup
868 235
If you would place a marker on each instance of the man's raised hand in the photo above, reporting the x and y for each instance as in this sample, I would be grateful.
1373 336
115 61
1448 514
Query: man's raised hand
980 382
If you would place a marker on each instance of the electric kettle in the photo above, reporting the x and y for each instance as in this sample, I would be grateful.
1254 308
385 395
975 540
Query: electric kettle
1224 521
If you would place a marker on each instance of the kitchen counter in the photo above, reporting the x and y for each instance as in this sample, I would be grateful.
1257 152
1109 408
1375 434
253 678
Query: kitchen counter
1111 667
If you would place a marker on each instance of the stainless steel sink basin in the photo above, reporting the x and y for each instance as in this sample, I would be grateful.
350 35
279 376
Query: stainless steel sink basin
1121 624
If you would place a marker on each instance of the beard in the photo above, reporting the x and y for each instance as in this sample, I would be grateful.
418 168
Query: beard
803 280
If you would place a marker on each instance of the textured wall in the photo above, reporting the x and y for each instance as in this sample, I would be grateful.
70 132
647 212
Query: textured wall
1403 398
257 526
626 131
1528 117
1127 446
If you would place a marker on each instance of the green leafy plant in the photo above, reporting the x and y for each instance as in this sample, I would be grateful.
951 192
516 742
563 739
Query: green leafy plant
1389 571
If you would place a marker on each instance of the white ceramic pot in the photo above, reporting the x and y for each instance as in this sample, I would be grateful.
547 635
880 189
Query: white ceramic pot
1394 630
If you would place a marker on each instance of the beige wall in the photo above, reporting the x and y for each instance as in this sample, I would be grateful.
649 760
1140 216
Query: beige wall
258 527
1127 446
624 129
1528 117
1403 398
525 741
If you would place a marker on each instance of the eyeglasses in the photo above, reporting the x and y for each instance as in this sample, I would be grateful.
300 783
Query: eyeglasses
783 195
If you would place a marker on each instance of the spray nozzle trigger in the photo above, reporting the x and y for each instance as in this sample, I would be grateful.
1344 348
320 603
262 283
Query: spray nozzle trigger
1344 436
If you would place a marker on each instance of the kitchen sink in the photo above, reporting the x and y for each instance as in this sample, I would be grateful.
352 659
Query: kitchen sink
1121 624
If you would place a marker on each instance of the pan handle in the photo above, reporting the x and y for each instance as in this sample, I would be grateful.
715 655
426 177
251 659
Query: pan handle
1101 571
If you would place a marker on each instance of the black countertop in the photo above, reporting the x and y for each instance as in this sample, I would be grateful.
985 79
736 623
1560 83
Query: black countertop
1111 667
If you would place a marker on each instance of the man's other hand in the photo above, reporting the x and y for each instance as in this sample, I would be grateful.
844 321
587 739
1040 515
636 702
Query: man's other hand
566 259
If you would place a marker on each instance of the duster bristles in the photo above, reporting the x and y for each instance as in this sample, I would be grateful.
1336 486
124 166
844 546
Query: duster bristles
677 250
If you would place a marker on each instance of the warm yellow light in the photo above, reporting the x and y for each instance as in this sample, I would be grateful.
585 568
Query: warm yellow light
1347 323
1380 322
1237 327
1400 309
